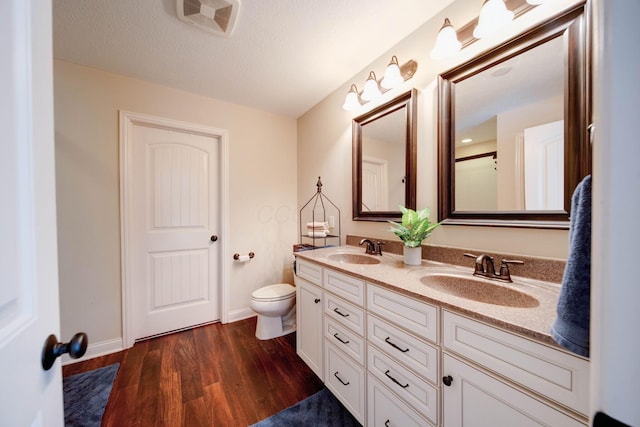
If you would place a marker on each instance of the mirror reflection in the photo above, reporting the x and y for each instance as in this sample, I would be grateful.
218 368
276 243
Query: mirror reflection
384 160
509 134
513 129
383 170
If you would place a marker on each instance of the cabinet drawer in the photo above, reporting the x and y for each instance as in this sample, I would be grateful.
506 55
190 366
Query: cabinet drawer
349 288
384 409
405 348
345 339
414 390
417 317
345 313
345 378
310 271
553 373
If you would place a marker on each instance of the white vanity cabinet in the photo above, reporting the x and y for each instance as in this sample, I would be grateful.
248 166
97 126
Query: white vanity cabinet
495 378
309 302
344 329
330 331
402 359
395 360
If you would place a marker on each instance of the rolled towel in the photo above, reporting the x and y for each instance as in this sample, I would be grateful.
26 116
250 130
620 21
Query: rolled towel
323 233
317 224
571 328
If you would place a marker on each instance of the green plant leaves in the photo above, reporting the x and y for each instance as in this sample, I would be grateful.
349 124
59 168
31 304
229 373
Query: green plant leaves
415 226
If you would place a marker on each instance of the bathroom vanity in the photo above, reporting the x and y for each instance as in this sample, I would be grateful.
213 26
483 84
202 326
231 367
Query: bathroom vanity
406 345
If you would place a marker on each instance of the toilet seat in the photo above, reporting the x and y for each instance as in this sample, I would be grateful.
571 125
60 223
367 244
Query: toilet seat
278 292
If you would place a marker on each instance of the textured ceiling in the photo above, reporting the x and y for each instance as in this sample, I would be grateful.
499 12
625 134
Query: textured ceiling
284 56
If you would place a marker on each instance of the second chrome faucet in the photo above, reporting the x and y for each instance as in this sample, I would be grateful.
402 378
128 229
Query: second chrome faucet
372 248
484 267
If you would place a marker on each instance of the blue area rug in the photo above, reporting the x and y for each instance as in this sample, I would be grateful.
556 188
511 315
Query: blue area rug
86 396
320 410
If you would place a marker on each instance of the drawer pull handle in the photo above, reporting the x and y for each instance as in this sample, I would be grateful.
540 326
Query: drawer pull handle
404 350
386 423
317 300
340 339
395 380
340 379
340 313
447 380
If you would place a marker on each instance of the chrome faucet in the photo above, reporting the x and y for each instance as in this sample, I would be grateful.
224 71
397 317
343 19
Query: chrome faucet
484 267
372 248
379 246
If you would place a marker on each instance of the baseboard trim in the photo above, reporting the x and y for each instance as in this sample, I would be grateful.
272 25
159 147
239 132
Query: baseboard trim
243 313
95 350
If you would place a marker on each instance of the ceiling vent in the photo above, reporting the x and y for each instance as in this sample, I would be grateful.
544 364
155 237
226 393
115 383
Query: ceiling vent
215 16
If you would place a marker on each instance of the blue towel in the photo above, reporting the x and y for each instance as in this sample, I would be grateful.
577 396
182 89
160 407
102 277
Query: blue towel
571 328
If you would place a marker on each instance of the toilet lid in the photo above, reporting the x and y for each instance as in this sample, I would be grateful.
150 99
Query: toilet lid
276 292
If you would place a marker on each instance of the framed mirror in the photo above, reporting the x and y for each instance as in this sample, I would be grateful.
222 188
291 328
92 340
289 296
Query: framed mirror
513 138
384 160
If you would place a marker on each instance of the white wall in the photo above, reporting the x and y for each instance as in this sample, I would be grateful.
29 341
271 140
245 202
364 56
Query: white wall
263 205
615 293
324 139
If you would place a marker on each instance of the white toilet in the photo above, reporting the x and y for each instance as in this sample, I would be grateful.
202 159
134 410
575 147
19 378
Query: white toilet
276 308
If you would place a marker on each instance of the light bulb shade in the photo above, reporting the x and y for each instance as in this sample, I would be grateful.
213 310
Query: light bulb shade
447 43
371 89
493 16
392 76
351 101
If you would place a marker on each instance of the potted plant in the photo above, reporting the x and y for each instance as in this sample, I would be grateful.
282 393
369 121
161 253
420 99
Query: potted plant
415 227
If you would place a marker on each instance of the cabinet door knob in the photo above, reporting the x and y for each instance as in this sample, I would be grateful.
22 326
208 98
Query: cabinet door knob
447 380
317 300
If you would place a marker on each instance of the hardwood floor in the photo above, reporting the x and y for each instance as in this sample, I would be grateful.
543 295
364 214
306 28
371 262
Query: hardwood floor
214 375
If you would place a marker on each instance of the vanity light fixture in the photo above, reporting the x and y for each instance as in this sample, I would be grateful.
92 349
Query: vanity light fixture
447 43
371 89
493 16
392 77
352 100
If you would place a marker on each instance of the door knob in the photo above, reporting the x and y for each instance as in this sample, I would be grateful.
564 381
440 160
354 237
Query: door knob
52 348
447 380
214 238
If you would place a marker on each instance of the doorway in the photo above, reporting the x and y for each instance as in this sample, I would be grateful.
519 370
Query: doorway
173 187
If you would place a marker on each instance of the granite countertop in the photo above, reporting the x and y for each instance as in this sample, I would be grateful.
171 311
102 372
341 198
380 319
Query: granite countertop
391 273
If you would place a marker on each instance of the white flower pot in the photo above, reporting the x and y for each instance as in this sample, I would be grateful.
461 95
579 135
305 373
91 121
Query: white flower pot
412 256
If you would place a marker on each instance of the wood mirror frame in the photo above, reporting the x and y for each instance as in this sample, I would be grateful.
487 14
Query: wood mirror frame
407 102
572 26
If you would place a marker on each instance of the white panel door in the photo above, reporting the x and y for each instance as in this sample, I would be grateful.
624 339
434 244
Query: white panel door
176 197
375 187
544 166
29 310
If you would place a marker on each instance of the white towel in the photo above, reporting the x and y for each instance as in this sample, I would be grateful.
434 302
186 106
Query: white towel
318 225
323 233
